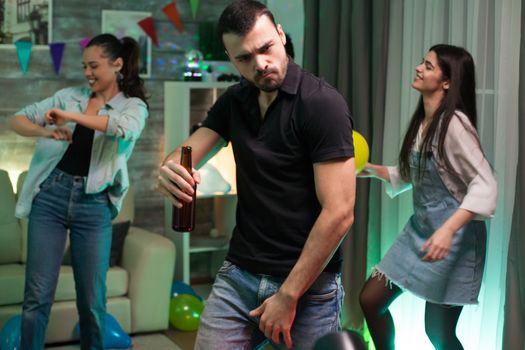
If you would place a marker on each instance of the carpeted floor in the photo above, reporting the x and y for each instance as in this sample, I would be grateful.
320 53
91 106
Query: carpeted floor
185 340
140 342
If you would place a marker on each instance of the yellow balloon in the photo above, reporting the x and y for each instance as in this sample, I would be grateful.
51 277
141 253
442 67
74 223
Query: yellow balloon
361 151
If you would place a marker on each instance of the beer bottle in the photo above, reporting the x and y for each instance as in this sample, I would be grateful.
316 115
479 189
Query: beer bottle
183 219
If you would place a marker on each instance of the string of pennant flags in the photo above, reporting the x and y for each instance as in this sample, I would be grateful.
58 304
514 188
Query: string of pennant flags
23 48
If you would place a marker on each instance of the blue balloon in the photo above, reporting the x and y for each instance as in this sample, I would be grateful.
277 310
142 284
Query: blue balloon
179 287
114 335
10 334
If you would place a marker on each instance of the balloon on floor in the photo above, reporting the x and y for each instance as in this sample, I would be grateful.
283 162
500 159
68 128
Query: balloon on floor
114 336
185 312
10 334
179 287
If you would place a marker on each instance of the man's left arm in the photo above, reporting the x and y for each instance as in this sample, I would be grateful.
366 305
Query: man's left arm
335 188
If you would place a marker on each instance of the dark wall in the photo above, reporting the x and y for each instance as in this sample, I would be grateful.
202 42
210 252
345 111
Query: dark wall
72 21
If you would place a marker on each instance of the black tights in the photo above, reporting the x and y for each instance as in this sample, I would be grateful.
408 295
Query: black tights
440 325
440 320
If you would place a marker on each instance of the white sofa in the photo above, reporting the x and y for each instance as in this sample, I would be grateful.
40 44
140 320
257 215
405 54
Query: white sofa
138 291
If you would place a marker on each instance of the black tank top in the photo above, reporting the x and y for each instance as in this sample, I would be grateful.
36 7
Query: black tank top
78 155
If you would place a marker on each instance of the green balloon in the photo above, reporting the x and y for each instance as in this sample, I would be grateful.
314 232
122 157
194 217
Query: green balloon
185 312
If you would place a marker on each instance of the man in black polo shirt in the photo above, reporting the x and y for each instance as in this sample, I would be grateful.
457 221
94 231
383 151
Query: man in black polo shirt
291 135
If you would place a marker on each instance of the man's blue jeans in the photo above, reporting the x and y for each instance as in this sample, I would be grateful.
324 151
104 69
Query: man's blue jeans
60 205
226 325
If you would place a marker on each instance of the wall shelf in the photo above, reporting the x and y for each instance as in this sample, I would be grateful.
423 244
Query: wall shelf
186 103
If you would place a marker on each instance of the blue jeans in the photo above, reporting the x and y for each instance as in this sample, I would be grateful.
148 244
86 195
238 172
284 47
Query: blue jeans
226 325
60 205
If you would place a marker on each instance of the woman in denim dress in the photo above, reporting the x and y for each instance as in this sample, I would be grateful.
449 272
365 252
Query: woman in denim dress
76 182
440 254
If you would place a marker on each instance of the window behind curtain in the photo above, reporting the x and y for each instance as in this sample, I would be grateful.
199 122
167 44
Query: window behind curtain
22 10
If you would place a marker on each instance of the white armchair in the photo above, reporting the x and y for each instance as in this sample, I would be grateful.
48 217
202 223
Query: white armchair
138 291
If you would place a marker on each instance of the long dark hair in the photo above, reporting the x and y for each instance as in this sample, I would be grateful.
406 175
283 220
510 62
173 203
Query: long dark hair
457 67
240 16
128 49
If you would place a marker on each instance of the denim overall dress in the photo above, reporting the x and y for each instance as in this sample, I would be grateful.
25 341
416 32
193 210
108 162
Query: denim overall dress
455 280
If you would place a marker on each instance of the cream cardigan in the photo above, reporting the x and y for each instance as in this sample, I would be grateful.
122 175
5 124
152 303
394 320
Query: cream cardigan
473 185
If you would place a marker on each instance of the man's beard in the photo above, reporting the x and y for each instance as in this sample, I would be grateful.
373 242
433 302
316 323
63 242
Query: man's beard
268 85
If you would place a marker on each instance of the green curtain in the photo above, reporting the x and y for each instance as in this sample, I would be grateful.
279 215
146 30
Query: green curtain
367 48
346 43
513 331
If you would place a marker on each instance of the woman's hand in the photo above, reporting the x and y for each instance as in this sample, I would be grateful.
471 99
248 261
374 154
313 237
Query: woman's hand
56 116
438 245
59 134
370 170
375 170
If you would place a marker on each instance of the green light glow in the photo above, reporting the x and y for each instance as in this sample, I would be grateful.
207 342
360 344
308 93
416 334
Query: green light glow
368 338
479 326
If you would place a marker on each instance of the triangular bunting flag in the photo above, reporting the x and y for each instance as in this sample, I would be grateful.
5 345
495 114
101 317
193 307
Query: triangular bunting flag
148 27
170 10
23 49
84 42
194 7
57 50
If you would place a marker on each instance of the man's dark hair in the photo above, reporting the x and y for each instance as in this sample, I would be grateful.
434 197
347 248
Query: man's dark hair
289 46
240 17
457 66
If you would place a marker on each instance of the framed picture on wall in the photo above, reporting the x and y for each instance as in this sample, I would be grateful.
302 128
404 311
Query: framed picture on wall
27 20
124 23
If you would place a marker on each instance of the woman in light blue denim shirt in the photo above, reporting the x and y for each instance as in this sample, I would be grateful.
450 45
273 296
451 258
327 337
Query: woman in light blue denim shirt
76 181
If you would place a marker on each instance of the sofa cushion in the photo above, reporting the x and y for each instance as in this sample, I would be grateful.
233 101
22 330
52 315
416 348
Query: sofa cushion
116 283
10 242
12 283
10 232
23 222
119 232
127 212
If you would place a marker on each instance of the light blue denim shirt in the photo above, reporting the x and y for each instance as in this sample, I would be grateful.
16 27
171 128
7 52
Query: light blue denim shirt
109 153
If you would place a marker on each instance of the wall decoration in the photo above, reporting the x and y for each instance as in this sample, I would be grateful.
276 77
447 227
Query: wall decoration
170 10
23 50
125 23
148 26
194 7
25 20
57 51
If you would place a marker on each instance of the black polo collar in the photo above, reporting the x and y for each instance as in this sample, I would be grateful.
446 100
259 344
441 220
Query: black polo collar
293 78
